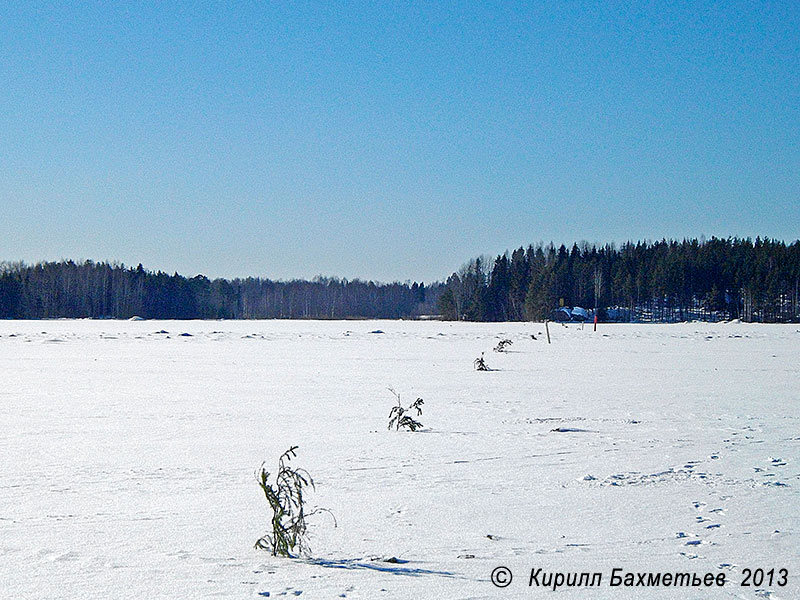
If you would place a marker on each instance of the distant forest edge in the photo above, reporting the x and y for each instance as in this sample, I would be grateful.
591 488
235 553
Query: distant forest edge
665 281
113 291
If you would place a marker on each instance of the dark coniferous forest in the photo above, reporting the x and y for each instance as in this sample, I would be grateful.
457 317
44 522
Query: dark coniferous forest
662 281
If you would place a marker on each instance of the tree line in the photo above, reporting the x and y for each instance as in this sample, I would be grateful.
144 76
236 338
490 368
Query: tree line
98 290
660 281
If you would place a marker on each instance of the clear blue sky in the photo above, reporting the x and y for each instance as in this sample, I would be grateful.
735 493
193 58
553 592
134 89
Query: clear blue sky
390 141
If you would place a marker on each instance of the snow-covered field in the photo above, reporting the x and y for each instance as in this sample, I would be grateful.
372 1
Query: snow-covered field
127 457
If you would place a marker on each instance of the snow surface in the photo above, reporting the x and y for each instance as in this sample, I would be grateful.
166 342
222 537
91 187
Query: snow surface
128 453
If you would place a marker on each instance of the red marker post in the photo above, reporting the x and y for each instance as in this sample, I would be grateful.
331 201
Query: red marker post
595 321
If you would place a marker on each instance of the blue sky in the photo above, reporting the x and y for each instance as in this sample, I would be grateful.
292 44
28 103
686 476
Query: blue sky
390 141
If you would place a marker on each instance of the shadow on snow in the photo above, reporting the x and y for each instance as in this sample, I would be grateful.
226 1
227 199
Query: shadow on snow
354 563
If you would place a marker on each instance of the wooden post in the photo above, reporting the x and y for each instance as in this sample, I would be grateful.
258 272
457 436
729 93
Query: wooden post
547 329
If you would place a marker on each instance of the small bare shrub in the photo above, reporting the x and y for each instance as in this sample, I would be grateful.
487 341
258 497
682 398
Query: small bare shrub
503 345
287 500
398 417
480 364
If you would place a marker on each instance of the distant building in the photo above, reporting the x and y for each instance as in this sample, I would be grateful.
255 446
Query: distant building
565 313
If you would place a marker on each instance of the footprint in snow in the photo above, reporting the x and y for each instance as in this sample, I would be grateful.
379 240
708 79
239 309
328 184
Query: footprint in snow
67 556
572 430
